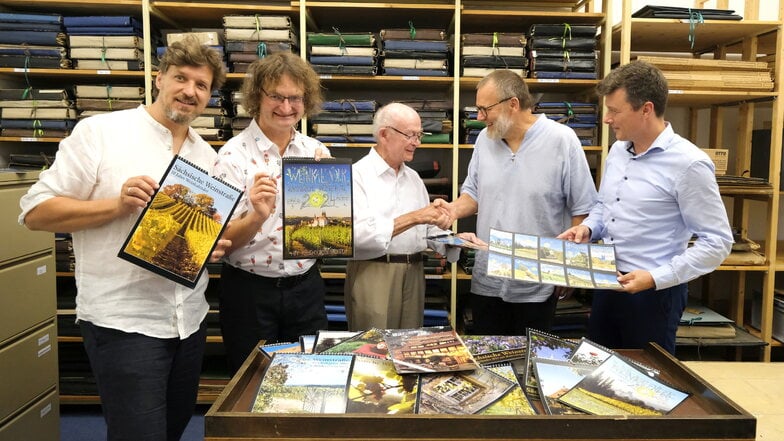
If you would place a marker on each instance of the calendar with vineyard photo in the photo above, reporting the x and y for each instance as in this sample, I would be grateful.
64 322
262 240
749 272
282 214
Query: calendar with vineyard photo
317 208
177 231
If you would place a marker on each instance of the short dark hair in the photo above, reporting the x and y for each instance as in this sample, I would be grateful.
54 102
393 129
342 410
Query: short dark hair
509 84
267 72
190 52
643 82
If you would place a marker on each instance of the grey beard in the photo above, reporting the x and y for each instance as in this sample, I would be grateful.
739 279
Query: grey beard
499 129
179 118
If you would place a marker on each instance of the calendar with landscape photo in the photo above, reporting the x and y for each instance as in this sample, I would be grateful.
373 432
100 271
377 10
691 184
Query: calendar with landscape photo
551 261
177 231
317 208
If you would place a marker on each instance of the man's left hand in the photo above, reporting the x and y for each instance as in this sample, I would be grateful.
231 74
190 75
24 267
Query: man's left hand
636 281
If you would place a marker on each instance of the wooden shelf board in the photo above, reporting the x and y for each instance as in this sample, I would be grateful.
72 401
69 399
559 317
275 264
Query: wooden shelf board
74 73
210 14
652 35
26 139
519 20
78 7
755 332
707 98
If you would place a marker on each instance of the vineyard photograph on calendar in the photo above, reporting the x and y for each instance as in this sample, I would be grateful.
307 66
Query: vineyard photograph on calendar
177 231
317 208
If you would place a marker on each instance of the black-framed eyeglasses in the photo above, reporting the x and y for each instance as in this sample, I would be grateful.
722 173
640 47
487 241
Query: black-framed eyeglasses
279 99
484 109
418 135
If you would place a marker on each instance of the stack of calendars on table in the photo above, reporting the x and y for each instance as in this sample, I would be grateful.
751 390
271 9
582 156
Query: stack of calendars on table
32 40
562 51
94 99
251 37
433 370
483 53
343 54
36 113
105 42
345 121
415 52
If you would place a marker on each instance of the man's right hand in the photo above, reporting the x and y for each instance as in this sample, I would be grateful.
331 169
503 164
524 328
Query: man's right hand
262 194
577 234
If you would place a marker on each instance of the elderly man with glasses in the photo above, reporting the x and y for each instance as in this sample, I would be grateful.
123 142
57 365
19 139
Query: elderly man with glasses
528 174
263 296
393 216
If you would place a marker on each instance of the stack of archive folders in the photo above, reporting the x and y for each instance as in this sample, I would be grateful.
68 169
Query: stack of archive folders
30 41
436 116
240 118
105 42
580 116
36 113
562 51
415 52
251 37
483 53
343 54
471 125
94 99
345 121
214 123
206 37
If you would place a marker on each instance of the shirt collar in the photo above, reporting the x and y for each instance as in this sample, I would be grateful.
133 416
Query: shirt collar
380 166
264 143
661 143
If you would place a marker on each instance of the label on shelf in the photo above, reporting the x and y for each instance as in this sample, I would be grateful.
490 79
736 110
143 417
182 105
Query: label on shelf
338 144
409 77
325 77
103 72
548 80
676 92
21 69
29 139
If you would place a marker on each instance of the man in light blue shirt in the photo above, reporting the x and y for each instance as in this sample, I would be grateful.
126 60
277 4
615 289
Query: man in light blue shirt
528 174
658 190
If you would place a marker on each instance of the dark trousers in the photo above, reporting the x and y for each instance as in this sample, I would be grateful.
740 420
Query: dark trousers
494 316
620 320
148 386
254 308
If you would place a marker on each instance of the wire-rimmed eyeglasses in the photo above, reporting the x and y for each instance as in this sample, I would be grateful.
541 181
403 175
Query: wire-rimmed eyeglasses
484 109
410 137
293 99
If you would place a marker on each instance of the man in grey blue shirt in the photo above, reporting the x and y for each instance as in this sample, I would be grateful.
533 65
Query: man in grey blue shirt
658 190
528 174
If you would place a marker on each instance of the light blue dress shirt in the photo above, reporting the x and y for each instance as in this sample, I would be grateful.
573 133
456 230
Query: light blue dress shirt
650 205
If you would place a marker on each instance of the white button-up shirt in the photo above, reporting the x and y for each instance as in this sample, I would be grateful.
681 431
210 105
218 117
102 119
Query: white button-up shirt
93 163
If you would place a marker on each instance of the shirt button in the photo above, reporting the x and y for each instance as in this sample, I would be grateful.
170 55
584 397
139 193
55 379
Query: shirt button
612 220
617 199
625 178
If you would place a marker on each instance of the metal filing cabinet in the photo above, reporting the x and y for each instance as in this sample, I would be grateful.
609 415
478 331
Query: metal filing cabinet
29 401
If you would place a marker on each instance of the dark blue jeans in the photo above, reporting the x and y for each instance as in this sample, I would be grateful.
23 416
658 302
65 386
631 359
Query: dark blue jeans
148 386
254 308
620 320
